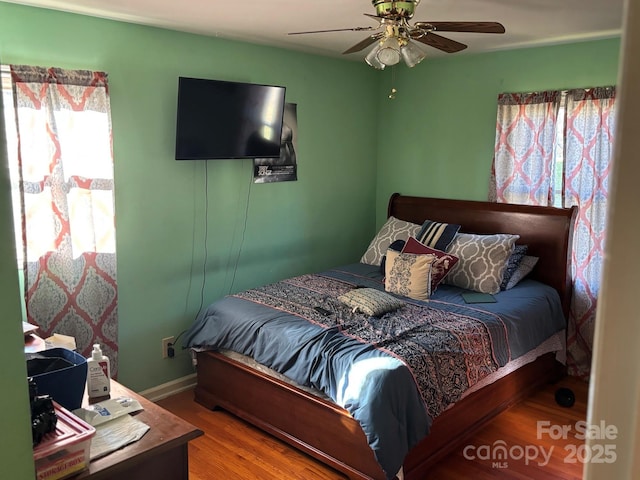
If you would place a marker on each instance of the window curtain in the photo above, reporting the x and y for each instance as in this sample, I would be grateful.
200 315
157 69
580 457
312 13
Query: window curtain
67 192
590 127
523 172
525 139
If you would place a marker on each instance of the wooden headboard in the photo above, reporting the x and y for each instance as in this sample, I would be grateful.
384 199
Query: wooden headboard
547 231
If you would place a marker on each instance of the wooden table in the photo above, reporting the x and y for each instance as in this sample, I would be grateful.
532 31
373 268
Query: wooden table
162 453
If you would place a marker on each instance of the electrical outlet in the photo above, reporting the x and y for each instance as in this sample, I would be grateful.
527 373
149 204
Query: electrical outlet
165 346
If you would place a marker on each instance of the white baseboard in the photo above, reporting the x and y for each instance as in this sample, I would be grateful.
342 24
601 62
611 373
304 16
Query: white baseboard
170 388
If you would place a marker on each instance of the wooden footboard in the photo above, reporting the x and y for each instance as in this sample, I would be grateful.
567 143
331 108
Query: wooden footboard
311 424
329 434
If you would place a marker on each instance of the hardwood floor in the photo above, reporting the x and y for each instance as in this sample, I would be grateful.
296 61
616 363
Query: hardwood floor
231 448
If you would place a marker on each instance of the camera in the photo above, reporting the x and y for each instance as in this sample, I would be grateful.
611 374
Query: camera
43 414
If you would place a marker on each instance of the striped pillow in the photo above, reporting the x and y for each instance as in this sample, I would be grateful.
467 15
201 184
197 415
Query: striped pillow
437 235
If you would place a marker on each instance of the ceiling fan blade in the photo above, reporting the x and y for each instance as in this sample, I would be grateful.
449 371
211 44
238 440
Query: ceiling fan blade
439 42
364 43
353 29
473 27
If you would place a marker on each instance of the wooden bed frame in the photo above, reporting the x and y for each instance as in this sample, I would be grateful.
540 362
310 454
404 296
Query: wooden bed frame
326 431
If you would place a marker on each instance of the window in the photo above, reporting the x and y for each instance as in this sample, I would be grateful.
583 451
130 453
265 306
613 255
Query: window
558 156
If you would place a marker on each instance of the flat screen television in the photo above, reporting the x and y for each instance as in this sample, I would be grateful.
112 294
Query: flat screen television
220 119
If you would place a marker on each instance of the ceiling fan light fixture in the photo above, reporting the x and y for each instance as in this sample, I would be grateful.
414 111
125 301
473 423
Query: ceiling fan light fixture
372 59
389 52
411 54
396 34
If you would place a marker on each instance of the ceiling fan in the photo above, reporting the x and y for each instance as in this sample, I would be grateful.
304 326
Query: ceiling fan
395 41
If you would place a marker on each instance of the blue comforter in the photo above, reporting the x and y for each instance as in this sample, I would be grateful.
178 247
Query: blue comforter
393 374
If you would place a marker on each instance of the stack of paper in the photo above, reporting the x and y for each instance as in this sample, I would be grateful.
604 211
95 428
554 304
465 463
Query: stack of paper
114 425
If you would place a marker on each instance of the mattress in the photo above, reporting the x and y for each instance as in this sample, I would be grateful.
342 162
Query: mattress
554 344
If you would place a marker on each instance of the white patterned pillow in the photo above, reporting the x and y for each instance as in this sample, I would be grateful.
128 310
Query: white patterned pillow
370 301
409 274
526 266
482 261
392 230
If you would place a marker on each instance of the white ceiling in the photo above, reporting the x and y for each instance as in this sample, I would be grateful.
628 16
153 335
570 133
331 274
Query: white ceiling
527 22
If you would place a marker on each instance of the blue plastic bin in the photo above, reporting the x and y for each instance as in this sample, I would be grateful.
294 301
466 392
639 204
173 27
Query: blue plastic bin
66 385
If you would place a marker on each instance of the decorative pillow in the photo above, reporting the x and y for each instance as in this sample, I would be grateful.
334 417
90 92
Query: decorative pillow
514 260
437 235
482 261
409 274
370 301
441 265
393 229
398 245
524 269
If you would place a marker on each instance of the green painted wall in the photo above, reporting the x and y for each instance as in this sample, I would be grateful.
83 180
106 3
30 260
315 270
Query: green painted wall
291 227
437 137
15 436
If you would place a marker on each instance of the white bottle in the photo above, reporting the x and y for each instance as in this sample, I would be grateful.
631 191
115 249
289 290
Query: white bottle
98 374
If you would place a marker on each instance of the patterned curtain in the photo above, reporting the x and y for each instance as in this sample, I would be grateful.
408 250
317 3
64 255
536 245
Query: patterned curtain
522 173
590 128
66 184
525 140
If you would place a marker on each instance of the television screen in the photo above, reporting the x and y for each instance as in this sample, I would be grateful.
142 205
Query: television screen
219 119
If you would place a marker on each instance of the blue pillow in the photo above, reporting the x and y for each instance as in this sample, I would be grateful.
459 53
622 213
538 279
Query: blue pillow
398 245
437 235
512 264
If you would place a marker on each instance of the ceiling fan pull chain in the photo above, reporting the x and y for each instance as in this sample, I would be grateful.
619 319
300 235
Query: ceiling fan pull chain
392 95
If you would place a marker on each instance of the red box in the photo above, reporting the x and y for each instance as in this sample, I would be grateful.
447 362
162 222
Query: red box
64 452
